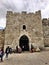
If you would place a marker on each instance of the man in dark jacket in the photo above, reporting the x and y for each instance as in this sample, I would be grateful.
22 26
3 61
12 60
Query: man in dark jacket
7 51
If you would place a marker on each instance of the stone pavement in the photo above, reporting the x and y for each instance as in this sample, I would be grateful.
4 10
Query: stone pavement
26 58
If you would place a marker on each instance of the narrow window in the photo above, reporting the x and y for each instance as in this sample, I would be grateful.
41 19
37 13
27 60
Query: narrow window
24 27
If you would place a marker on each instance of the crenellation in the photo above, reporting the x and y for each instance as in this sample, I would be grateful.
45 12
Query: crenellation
38 12
9 15
9 12
24 12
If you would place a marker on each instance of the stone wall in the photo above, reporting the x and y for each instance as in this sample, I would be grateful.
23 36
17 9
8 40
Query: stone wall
2 38
46 31
14 28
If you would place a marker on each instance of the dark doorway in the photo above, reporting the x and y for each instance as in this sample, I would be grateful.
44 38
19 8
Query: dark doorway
24 43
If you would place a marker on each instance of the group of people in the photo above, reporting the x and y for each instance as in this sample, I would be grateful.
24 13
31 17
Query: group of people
7 51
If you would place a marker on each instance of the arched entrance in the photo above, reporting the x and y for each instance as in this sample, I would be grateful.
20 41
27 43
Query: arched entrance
24 43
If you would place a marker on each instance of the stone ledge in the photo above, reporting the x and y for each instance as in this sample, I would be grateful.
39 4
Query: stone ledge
46 48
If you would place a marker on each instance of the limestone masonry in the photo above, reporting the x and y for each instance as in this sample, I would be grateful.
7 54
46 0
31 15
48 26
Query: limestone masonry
25 29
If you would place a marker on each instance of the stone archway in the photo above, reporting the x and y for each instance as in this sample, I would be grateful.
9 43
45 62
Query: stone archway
24 43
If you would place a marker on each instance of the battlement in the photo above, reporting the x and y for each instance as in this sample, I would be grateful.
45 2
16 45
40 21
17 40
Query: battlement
9 12
45 21
23 12
39 11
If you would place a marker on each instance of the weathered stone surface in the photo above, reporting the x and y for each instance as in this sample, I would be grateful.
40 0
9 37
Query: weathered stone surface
46 31
2 38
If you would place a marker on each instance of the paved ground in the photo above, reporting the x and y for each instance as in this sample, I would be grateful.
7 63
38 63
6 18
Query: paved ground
36 58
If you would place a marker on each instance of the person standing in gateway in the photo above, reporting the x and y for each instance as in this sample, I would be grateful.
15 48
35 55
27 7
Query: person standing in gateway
7 51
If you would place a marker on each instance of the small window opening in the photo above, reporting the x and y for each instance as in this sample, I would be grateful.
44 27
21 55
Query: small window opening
24 27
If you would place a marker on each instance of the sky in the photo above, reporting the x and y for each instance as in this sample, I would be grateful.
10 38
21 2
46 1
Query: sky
22 5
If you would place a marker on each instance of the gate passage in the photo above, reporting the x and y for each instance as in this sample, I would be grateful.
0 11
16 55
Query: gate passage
24 43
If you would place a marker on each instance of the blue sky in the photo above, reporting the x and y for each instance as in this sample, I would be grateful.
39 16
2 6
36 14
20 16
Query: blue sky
20 5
